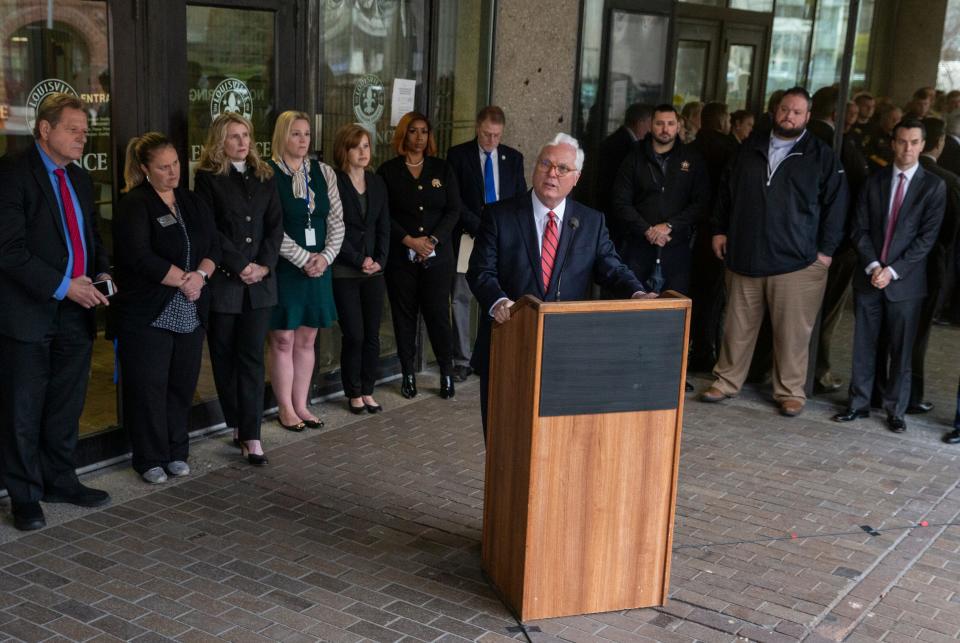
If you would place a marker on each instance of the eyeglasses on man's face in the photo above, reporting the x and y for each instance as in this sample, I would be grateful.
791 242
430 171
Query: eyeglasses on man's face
546 166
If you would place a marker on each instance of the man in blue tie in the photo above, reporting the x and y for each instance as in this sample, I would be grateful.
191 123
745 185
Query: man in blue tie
487 171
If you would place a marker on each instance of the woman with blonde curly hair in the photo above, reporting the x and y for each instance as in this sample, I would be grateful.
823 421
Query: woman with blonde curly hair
241 190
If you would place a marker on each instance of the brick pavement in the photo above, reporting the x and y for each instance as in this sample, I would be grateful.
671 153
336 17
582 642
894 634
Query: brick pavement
370 530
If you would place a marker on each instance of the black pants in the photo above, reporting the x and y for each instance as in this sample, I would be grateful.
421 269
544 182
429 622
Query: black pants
359 307
42 392
708 292
159 370
844 264
936 276
236 344
675 259
899 323
413 289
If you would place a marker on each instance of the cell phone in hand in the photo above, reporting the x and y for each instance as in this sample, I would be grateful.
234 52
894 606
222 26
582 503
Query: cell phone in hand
106 287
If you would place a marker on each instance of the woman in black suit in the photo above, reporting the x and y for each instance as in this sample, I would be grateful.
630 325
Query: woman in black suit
165 248
358 285
424 206
241 191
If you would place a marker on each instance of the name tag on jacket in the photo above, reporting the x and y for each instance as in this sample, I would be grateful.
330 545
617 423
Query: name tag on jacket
167 220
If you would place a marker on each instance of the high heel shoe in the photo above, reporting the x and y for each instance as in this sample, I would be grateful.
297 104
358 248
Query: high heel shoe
257 460
373 408
446 387
356 410
408 387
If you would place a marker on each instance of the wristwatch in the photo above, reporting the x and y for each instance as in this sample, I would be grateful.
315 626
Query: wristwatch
202 274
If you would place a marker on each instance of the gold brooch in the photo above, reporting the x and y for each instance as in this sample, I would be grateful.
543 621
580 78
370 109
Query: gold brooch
436 183
685 166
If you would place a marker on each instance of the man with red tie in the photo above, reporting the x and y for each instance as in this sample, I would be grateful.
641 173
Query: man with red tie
50 254
543 244
898 217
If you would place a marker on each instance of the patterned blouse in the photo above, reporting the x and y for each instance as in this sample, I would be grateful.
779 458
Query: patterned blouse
179 315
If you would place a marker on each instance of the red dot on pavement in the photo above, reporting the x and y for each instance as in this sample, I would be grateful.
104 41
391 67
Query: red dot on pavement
793 535
924 523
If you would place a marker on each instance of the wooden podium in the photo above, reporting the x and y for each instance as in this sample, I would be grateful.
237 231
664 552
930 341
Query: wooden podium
584 417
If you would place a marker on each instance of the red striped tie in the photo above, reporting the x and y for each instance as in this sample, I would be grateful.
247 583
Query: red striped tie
73 228
548 252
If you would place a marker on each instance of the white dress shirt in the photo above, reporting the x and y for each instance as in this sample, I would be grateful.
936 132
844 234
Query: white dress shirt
495 157
908 173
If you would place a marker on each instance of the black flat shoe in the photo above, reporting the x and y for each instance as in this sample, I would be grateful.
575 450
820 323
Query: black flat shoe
373 408
356 410
953 437
253 458
28 516
296 428
313 424
919 407
408 386
851 414
896 424
447 390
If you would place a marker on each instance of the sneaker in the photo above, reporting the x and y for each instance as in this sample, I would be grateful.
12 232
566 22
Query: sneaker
155 475
178 468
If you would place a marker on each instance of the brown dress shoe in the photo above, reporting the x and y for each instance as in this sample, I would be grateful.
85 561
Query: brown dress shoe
713 394
791 408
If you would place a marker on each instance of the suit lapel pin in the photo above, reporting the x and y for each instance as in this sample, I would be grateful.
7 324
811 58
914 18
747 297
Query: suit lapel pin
685 166
503 157
436 183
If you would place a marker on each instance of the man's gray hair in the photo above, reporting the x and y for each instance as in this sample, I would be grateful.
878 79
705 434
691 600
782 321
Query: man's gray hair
566 139
953 123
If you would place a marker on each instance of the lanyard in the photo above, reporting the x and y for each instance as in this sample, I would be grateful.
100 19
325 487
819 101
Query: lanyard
306 182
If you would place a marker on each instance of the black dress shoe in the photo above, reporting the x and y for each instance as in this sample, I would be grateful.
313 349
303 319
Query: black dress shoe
408 386
79 495
28 516
257 460
373 408
953 437
919 407
851 414
446 387
896 424
356 410
461 373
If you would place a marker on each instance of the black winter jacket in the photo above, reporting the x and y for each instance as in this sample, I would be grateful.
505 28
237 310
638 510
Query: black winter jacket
777 223
643 196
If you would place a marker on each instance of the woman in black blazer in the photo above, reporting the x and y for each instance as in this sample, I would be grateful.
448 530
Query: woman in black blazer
358 285
165 248
424 207
241 191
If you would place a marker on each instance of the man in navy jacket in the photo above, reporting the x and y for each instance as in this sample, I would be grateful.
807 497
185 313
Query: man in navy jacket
543 244
487 171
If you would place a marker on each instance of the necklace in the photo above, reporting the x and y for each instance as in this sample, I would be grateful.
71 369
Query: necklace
415 164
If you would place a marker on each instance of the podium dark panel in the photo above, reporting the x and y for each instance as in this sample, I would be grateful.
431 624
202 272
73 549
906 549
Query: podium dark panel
611 362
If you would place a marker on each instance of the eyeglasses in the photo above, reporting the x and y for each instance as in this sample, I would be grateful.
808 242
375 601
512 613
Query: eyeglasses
562 168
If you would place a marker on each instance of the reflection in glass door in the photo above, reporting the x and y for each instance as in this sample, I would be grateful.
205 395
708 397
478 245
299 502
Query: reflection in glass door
739 76
636 60
63 47
697 57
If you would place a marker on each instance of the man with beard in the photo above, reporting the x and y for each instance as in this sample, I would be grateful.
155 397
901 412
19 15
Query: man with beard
779 218
658 197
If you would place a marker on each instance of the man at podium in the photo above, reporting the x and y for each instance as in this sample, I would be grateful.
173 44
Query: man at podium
543 244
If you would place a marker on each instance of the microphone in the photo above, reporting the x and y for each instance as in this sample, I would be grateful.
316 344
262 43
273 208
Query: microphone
574 223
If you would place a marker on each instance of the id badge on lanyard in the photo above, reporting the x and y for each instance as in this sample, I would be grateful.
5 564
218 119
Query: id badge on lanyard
310 233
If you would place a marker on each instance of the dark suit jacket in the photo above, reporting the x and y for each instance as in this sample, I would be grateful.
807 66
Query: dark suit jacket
951 214
506 262
144 250
250 222
33 245
917 226
364 236
950 158
613 150
465 161
425 206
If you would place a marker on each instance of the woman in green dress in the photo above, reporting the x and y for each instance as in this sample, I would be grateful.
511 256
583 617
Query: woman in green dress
313 231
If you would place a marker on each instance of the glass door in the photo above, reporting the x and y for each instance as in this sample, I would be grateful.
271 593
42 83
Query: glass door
742 69
697 58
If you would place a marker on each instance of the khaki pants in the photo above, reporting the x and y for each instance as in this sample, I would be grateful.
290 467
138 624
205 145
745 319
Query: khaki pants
793 300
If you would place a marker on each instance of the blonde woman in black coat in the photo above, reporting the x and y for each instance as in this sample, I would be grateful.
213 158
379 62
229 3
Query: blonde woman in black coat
240 189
